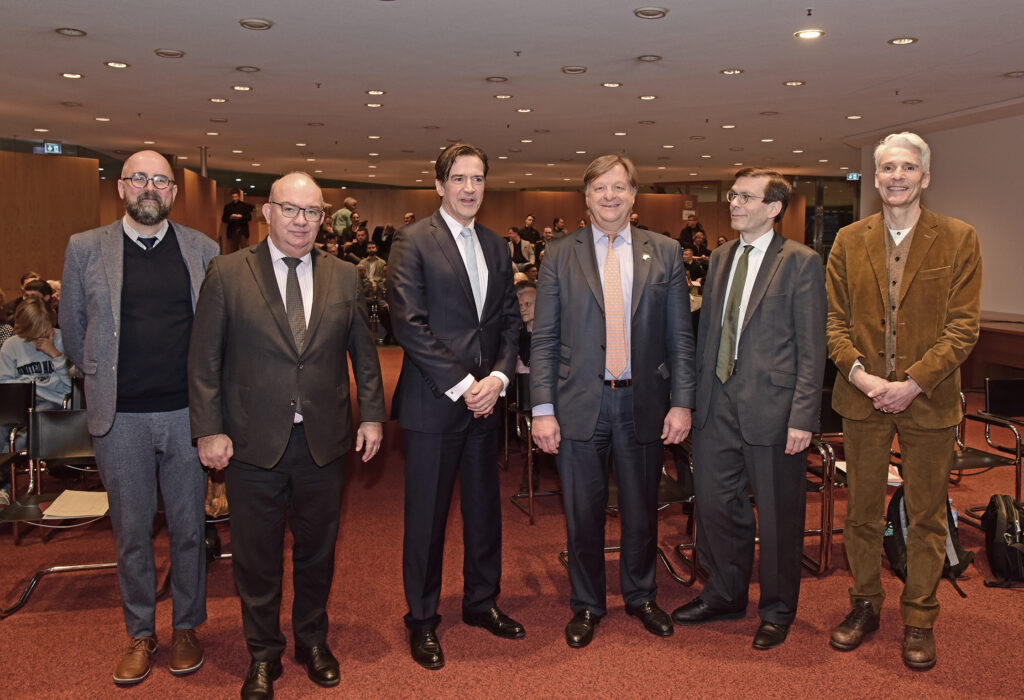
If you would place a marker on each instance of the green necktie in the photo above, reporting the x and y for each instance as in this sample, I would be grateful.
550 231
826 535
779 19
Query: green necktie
731 323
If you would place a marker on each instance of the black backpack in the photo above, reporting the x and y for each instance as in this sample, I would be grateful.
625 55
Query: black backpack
1003 523
895 543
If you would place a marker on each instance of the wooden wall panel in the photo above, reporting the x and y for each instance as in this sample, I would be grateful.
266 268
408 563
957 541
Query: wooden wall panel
44 199
111 207
196 203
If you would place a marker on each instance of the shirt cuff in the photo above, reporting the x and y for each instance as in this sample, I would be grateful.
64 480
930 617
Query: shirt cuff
456 392
504 380
856 364
544 409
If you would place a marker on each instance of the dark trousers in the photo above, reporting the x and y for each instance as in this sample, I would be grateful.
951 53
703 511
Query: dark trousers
259 499
722 465
583 468
433 460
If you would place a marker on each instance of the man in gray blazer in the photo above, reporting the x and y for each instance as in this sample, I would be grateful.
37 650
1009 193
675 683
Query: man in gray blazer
611 373
127 301
760 364
269 390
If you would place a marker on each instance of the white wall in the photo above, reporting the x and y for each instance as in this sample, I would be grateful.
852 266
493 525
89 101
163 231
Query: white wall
977 176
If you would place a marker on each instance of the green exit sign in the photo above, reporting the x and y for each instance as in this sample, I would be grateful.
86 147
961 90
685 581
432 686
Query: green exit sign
51 147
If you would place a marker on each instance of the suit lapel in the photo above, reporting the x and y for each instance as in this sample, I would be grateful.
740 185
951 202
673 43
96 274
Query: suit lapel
492 295
446 244
874 247
322 276
584 250
769 266
715 302
641 265
112 252
925 234
262 268
193 261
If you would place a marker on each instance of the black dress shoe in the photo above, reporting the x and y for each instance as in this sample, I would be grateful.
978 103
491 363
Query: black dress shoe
580 630
654 618
770 635
697 612
259 681
321 666
426 650
496 622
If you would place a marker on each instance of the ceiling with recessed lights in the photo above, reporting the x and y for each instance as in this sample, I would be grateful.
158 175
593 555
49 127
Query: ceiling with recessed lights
371 91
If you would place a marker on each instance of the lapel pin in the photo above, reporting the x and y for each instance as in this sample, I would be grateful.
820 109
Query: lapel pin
645 256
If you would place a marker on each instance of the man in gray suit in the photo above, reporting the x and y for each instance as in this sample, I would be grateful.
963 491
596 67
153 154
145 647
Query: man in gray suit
611 374
760 364
127 302
269 390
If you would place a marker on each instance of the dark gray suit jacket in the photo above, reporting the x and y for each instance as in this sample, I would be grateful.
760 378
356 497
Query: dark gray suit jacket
245 370
781 358
90 307
567 356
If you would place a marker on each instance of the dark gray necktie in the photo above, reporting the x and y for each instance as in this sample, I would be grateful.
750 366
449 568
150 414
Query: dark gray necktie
148 241
293 302
730 324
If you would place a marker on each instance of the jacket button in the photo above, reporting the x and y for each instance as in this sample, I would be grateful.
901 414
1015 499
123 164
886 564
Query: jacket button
881 354
291 403
300 366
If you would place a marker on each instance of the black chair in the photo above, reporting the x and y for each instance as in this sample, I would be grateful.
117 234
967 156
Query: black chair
16 406
523 420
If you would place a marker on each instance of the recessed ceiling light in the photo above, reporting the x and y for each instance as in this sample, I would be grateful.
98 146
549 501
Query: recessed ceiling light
574 70
903 41
668 145
169 53
236 151
515 150
149 143
566 179
728 126
502 157
241 88
549 164
797 150
527 173
115 64
427 172
542 131
646 122
854 116
213 133
218 100
238 179
581 152
371 166
650 12
511 182
662 167
372 175
525 140
737 163
310 160
314 123
218 120
71 76
697 138
736 149
375 93
809 34
503 97
186 158
432 127
318 171
611 85
731 71
418 180
648 98
619 133
71 104
767 140
373 105
1014 74
377 137
844 167
41 130
70 31
300 145
103 119
497 79
822 160
256 24
256 165
705 155
693 174
794 83
768 114
524 110
247 69
917 102
649 58
373 155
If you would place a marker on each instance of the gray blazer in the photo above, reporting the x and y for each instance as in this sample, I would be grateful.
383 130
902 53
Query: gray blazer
90 307
781 359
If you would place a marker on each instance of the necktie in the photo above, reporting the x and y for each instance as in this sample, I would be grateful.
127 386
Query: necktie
293 302
616 353
730 324
148 241
474 275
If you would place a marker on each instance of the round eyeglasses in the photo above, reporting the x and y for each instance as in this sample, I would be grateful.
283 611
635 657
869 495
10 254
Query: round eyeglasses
741 198
140 180
290 211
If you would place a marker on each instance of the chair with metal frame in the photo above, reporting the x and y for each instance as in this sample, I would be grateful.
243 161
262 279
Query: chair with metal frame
523 416
16 406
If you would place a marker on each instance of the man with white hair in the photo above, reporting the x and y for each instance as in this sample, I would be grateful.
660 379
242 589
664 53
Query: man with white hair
898 329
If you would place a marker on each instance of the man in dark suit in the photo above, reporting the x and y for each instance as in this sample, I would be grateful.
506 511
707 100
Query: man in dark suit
760 363
611 374
919 274
454 314
129 291
269 390
236 217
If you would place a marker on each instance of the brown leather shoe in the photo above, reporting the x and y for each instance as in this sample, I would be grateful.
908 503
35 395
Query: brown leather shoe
186 653
136 662
859 623
918 648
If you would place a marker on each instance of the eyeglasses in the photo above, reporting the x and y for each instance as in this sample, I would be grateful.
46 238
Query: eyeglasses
290 211
740 197
139 180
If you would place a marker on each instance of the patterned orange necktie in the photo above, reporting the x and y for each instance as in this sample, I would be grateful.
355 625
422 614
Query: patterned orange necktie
616 354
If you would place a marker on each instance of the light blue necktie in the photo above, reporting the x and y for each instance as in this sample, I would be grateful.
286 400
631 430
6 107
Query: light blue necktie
474 274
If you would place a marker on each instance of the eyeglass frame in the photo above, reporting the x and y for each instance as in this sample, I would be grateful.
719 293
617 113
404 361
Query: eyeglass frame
305 211
743 197
131 180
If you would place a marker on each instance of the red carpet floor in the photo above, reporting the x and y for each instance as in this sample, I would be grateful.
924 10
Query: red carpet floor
66 641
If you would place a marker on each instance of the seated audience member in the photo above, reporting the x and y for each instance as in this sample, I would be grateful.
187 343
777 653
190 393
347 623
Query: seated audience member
10 306
383 237
326 228
558 225
691 227
342 219
634 220
374 270
530 270
582 223
546 236
409 218
700 246
526 295
36 354
55 299
696 270
519 278
520 250
355 250
722 240
331 246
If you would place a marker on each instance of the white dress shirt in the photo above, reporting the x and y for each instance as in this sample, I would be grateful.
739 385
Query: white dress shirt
754 259
135 235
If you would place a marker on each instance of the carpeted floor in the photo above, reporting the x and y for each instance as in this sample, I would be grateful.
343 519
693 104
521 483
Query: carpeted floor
66 641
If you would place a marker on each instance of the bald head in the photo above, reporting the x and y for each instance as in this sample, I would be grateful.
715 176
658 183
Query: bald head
294 213
147 206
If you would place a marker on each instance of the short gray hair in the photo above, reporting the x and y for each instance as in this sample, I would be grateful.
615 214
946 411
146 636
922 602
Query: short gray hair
906 139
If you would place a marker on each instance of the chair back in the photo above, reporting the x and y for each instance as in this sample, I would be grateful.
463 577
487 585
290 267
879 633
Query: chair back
16 401
60 435
1003 397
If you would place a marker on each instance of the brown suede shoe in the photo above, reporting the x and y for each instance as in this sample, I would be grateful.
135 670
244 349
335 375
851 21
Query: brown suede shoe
136 662
918 648
186 653
861 622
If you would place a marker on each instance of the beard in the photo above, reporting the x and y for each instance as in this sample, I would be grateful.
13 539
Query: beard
147 209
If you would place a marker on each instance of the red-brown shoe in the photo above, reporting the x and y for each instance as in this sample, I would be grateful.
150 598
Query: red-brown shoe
186 653
136 662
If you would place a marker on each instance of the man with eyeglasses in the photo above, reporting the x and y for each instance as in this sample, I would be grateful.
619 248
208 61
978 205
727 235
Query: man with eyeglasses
904 291
760 363
269 386
127 301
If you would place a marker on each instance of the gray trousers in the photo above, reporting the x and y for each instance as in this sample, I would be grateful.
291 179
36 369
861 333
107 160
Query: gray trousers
142 451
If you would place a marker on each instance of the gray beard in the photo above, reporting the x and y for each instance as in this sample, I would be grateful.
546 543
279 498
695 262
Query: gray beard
146 210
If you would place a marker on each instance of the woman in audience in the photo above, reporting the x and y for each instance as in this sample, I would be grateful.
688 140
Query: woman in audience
36 354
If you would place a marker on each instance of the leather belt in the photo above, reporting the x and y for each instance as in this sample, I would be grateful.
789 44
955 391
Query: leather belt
618 383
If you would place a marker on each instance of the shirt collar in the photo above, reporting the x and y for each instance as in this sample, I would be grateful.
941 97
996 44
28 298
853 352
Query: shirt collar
135 235
761 243
276 254
454 226
625 234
